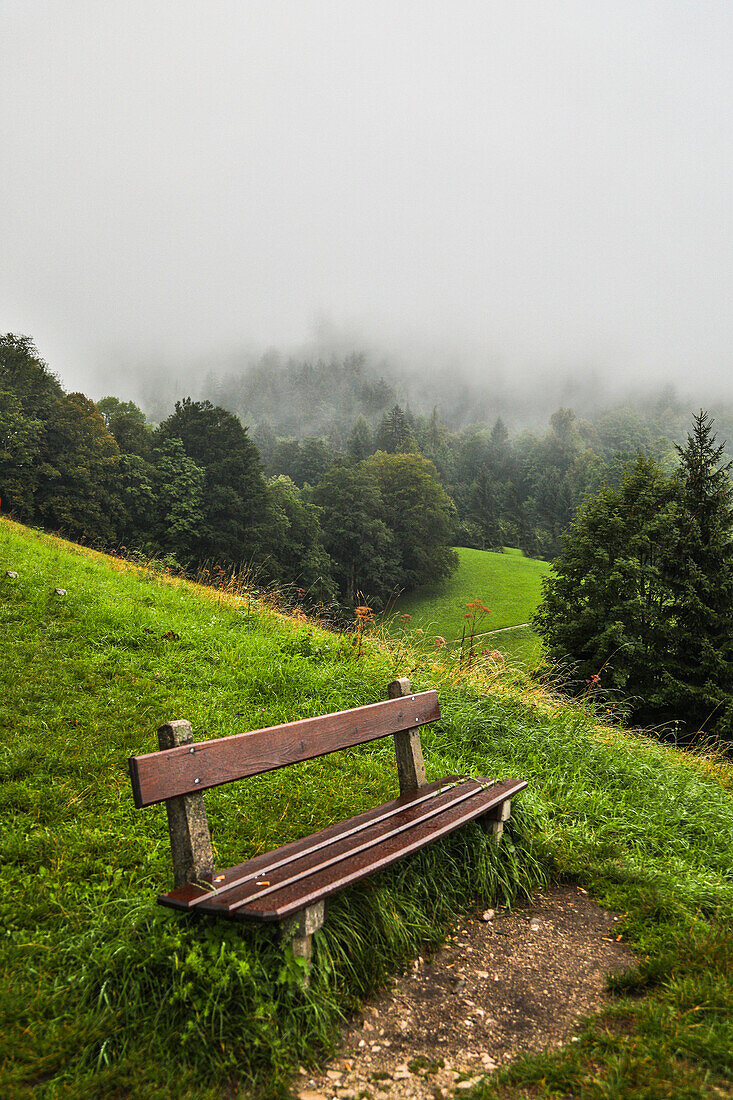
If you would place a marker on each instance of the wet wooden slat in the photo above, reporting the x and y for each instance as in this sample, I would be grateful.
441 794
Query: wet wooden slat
351 845
319 881
349 830
157 776
185 897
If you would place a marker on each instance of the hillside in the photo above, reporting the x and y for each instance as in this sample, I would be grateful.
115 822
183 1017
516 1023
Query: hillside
104 994
508 583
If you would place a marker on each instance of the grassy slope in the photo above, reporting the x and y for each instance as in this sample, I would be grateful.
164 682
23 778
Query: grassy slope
106 994
508 583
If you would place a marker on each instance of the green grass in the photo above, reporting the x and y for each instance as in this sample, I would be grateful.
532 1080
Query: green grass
508 583
105 994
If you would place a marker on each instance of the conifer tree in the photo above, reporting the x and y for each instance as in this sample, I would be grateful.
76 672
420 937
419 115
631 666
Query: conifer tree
641 597
699 669
394 434
606 604
360 442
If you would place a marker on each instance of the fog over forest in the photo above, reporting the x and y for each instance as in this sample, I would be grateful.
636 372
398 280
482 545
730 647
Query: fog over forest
467 389
533 197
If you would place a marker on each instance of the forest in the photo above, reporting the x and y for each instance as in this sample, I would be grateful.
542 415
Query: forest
369 506
641 596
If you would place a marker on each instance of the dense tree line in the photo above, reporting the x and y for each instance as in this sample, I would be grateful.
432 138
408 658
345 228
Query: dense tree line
193 487
297 397
519 492
641 595
57 460
200 486
520 488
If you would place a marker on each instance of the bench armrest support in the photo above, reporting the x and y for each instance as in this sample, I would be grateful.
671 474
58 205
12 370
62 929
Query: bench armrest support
408 749
193 856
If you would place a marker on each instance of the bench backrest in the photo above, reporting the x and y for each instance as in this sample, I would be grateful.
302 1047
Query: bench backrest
167 773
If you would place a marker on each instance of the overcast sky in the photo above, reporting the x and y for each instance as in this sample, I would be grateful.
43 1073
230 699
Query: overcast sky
542 184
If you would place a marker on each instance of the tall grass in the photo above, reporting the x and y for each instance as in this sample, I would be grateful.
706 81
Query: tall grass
107 994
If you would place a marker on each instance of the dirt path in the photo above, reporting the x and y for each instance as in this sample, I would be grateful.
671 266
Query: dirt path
515 982
487 633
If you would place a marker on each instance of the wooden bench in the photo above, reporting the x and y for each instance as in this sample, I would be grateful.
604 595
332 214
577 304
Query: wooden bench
291 883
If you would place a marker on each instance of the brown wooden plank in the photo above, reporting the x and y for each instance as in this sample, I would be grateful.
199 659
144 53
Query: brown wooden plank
347 830
287 899
350 844
323 884
184 896
159 775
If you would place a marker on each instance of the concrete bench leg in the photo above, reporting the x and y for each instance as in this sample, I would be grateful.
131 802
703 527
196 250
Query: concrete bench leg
493 821
193 856
299 929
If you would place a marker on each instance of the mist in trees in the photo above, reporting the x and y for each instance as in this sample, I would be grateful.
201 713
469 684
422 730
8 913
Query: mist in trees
196 483
640 599
193 488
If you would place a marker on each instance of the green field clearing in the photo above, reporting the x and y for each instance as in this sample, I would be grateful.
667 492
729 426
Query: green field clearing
104 994
508 583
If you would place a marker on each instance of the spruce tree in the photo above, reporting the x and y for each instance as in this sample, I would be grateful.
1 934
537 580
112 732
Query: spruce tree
699 669
641 598
606 603
394 434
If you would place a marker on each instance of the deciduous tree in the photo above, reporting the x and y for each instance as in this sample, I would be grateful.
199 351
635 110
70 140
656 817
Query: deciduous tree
365 554
418 512
234 499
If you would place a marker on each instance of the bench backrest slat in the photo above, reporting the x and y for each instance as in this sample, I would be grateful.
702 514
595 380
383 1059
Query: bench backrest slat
157 776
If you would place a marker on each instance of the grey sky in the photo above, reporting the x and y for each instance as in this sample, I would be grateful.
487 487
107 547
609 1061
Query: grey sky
544 185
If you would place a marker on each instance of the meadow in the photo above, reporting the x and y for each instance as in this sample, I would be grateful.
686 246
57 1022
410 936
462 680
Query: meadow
105 994
508 583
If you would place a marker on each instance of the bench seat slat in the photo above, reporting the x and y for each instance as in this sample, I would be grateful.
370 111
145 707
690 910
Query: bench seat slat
319 843
351 846
305 879
186 896
157 776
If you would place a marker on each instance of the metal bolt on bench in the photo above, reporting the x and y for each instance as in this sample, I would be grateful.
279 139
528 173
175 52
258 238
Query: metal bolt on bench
291 884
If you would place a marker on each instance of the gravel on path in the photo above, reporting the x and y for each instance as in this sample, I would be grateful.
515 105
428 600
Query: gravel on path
506 982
